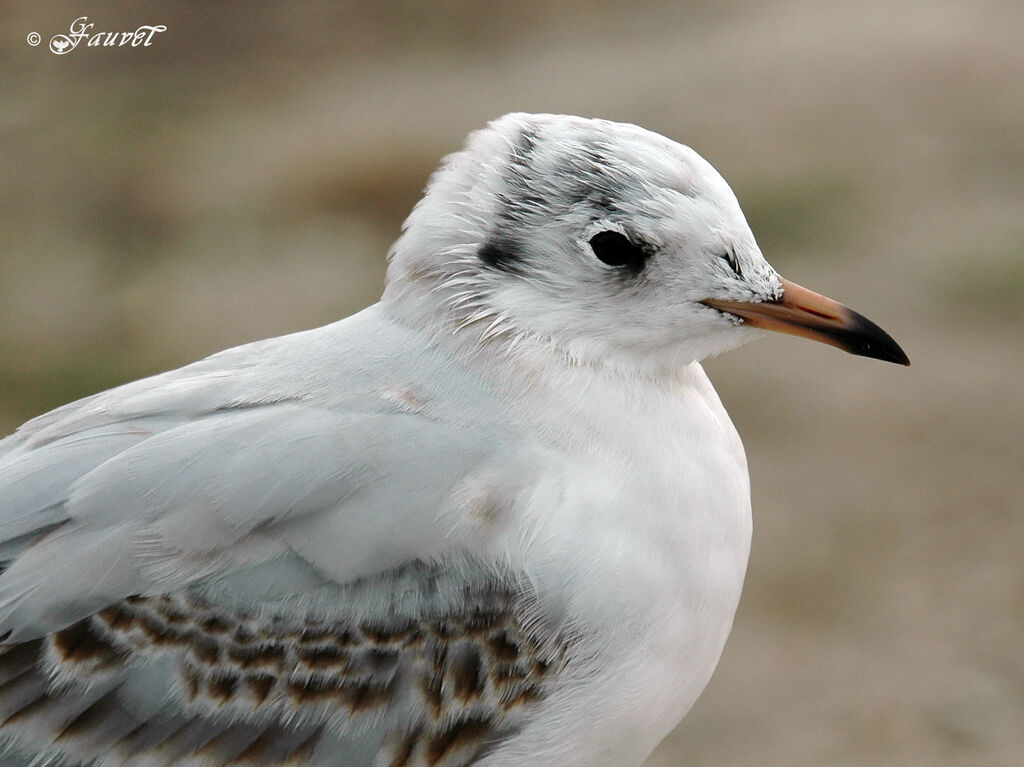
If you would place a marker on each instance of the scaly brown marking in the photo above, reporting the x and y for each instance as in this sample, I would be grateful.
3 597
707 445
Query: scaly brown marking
530 693
117 618
222 687
431 686
322 657
205 650
215 625
267 656
459 734
260 685
172 614
243 635
502 647
466 676
380 660
505 674
481 623
348 638
316 635
191 680
355 696
81 643
445 629
365 696
385 635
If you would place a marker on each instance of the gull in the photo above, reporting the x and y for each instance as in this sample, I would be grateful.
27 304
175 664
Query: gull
498 518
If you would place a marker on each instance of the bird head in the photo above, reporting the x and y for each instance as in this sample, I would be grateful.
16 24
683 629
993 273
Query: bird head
607 241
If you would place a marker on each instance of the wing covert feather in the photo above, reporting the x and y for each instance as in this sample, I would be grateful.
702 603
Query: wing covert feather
258 455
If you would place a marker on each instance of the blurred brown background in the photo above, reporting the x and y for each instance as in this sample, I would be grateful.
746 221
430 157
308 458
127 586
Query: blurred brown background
244 175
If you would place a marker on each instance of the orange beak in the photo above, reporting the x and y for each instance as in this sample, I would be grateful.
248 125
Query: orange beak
802 312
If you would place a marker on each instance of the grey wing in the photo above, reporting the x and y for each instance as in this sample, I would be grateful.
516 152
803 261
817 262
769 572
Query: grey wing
228 564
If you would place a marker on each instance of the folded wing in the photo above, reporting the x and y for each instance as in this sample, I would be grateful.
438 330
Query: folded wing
235 553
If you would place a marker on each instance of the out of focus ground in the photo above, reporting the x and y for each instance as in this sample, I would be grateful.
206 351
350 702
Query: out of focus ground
244 175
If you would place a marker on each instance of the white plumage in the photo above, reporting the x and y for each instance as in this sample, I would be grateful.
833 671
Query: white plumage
499 518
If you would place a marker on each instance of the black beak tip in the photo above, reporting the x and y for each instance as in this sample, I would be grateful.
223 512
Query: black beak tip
866 339
887 354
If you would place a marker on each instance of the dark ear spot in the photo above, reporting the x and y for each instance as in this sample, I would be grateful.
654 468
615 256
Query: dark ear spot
615 249
502 253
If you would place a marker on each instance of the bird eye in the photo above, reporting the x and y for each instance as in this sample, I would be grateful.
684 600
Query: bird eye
615 249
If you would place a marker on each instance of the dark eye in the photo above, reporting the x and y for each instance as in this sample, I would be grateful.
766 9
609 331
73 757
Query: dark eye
615 249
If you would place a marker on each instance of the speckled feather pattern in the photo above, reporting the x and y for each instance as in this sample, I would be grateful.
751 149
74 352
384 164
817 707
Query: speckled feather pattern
436 689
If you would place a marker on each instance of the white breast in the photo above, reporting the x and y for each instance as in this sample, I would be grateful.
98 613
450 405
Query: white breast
641 534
